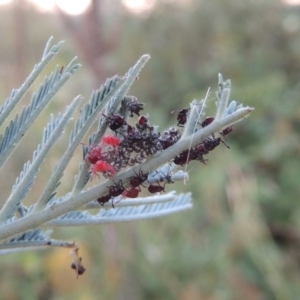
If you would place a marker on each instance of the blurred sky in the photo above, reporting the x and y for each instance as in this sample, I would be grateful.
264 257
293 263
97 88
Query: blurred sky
78 7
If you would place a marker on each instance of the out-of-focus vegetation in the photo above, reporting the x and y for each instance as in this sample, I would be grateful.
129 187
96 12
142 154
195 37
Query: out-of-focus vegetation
242 238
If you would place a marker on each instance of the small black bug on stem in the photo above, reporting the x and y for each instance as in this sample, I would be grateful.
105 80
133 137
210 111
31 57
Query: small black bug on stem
137 180
156 188
104 199
117 189
134 106
115 121
181 116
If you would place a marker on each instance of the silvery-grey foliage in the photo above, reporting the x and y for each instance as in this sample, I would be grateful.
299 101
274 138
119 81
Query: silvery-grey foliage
24 228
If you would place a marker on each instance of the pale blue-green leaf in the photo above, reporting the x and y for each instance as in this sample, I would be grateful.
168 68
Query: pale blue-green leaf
51 134
125 214
17 128
18 94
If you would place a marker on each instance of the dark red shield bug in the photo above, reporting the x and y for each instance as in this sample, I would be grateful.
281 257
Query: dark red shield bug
155 188
133 192
143 120
227 130
182 159
117 189
115 121
182 116
104 199
207 121
138 179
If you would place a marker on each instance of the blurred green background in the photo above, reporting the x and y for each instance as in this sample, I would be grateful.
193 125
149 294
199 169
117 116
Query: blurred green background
241 240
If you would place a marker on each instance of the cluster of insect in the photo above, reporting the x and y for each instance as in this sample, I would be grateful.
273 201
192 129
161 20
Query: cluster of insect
130 145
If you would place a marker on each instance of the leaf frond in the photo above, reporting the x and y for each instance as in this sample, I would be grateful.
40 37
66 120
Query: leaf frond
51 134
20 125
18 94
33 240
125 214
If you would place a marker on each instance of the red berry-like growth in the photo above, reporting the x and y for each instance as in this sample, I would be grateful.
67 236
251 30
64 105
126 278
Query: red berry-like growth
103 167
111 140
94 154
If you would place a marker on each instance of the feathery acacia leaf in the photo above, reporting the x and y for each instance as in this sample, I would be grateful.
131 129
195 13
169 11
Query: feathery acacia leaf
132 202
131 76
125 214
39 244
51 134
17 128
33 239
18 94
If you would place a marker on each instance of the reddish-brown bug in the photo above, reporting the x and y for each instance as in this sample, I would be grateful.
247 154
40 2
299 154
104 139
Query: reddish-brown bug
138 179
182 116
115 121
227 130
156 188
207 121
117 189
103 166
133 192
104 199
143 120
182 158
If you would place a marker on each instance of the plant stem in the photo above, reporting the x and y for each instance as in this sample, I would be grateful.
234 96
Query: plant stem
37 219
